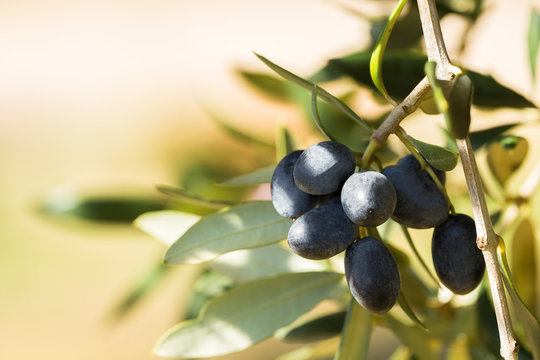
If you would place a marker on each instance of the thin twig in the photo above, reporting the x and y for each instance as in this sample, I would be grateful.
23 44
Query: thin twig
487 241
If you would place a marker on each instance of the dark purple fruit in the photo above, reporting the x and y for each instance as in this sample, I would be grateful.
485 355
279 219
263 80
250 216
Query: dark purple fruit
368 198
322 233
458 261
372 275
288 200
420 204
323 168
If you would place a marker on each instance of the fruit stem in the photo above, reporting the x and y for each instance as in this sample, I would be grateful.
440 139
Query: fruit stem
405 231
402 135
371 148
401 111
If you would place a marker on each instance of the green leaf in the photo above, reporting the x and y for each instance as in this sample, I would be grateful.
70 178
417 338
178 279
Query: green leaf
270 86
524 266
404 305
317 329
243 226
257 177
506 155
438 157
265 261
284 143
316 116
408 67
190 198
248 314
415 338
482 137
356 333
322 93
103 208
527 319
533 40
166 225
376 60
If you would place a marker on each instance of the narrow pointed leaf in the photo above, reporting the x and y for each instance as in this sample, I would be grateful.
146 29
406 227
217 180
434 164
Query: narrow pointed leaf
533 40
257 177
316 116
376 61
248 314
189 198
270 86
356 333
322 93
526 318
242 226
524 263
437 156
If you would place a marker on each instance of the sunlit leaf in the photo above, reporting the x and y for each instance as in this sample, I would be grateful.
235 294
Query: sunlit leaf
273 87
356 334
533 40
527 319
257 177
249 264
248 314
404 305
376 60
505 155
322 93
437 156
316 116
190 198
320 328
166 225
208 285
243 226
524 266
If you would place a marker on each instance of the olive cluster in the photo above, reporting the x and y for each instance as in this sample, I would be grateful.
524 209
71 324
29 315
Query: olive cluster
328 200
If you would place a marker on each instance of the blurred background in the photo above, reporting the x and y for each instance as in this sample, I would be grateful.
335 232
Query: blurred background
112 97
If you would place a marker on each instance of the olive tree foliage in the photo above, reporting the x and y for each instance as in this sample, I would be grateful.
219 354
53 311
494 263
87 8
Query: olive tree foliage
252 286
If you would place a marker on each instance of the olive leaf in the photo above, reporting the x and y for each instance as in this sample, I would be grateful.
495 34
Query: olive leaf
533 40
257 177
505 155
437 156
248 314
242 226
322 93
376 60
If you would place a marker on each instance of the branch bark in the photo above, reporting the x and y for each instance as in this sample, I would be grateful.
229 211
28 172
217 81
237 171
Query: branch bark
487 240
